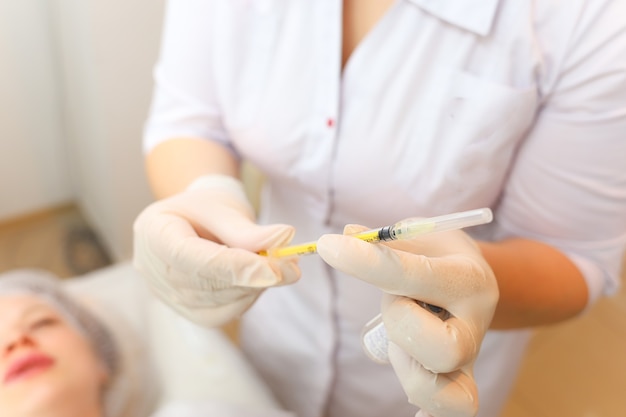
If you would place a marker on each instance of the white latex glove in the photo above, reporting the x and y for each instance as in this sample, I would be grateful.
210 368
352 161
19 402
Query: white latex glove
433 358
197 250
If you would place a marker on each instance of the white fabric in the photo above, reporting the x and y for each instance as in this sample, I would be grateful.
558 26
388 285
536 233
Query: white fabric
202 409
202 368
163 369
446 105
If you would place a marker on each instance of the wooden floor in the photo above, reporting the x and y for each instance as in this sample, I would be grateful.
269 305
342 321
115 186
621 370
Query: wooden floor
576 369
58 240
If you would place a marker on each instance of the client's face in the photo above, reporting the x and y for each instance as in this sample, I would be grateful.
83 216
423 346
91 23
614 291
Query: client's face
47 367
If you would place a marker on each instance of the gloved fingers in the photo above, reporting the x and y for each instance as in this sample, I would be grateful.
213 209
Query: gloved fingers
438 345
227 267
173 241
463 285
154 235
431 244
441 281
202 307
209 314
376 264
198 250
440 395
286 268
358 258
351 229
242 233
192 299
231 222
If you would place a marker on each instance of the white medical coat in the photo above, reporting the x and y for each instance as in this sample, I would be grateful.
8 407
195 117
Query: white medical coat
444 106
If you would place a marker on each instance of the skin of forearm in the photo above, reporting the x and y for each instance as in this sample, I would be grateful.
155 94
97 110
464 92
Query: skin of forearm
538 284
172 165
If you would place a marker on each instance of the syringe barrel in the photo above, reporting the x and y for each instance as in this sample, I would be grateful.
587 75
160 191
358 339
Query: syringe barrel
412 227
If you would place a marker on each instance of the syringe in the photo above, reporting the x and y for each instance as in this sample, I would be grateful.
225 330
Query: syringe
404 229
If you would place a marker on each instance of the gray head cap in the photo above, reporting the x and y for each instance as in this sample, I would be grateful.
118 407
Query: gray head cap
47 286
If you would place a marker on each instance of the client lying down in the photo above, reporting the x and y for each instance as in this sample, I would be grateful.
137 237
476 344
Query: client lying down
62 354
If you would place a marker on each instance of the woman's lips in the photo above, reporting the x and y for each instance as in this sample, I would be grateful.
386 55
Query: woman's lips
28 365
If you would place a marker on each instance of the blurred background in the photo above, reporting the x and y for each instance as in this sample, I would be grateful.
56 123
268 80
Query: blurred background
75 86
75 81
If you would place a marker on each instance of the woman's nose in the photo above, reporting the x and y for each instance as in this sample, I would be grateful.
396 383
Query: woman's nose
16 340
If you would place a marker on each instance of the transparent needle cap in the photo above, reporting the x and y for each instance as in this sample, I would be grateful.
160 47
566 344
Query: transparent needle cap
374 340
413 227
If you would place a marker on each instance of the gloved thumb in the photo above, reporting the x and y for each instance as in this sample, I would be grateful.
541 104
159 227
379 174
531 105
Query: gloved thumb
352 229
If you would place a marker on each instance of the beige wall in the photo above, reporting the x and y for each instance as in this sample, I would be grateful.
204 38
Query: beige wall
107 50
75 85
33 159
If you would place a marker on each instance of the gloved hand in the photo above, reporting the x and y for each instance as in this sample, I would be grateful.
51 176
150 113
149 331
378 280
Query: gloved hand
197 250
432 355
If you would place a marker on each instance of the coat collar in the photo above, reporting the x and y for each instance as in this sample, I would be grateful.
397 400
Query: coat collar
474 15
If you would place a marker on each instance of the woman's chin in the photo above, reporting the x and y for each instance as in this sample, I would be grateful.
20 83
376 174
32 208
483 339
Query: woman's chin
38 394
